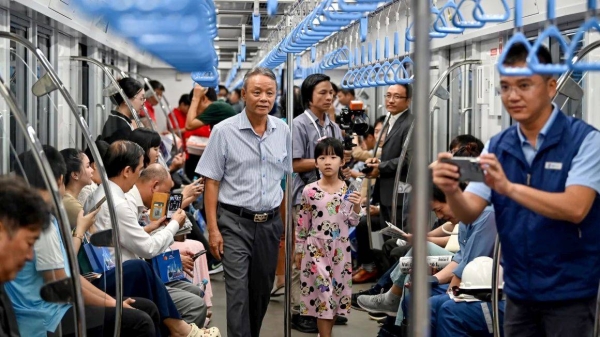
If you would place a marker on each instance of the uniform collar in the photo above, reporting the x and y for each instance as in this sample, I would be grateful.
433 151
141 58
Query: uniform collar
245 122
543 131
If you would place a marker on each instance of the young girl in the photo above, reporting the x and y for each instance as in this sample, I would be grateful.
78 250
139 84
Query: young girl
322 245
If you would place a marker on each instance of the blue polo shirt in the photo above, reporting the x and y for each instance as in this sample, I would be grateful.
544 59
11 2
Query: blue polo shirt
35 316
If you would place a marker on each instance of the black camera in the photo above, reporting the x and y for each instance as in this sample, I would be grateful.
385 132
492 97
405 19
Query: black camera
353 120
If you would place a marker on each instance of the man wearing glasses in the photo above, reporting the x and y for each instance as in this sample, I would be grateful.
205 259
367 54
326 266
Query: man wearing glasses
542 175
395 130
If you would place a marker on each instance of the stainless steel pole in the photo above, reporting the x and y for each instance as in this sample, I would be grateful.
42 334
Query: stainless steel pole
419 314
289 225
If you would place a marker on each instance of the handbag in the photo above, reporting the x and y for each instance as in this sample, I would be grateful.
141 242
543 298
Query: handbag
168 266
96 259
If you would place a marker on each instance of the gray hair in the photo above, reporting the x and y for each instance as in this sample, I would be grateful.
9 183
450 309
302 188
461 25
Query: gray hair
154 172
259 71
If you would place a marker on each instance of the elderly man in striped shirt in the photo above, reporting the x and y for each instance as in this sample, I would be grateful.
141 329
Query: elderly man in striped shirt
245 159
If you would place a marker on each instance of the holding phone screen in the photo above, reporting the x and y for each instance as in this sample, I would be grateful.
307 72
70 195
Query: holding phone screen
175 201
468 167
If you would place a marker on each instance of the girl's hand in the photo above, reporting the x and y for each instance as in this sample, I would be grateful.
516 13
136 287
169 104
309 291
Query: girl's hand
298 260
354 198
84 222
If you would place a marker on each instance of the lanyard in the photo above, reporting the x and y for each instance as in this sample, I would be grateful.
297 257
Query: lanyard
316 127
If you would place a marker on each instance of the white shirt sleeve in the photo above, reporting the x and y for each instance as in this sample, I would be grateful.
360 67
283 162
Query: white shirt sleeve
48 254
135 239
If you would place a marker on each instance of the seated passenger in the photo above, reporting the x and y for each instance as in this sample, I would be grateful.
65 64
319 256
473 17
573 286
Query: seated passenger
119 124
139 280
476 239
38 318
23 215
124 162
86 191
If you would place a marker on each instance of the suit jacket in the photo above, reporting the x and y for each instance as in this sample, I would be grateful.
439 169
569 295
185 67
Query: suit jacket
390 153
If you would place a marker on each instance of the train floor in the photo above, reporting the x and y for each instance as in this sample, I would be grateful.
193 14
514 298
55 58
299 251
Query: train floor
359 323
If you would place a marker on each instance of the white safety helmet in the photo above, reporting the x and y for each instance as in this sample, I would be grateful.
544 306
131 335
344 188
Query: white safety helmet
478 274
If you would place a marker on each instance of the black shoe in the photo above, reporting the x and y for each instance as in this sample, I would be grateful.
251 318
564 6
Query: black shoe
341 320
374 290
304 324
379 317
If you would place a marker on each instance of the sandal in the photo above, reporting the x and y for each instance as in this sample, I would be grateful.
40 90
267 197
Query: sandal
197 332
276 291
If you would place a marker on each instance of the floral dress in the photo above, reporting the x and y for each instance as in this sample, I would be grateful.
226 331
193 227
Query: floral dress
326 267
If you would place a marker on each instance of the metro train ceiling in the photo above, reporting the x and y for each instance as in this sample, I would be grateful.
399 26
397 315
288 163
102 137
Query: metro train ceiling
232 14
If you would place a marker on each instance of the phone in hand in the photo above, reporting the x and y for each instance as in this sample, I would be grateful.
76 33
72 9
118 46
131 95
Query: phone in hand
468 167
367 170
175 201
197 255
98 205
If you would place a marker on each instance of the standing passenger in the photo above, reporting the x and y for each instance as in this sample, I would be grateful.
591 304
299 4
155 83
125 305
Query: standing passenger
542 177
119 125
244 162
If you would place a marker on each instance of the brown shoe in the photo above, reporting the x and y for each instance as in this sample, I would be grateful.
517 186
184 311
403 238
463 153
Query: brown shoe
364 276
356 271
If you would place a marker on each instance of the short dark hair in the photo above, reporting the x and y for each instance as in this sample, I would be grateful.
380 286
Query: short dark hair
147 139
380 120
308 86
130 87
73 160
120 155
475 145
102 148
408 88
348 91
370 131
21 206
238 91
185 99
439 196
518 53
210 94
336 89
221 87
32 171
156 85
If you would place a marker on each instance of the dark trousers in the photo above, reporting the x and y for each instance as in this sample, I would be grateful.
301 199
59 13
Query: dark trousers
100 321
249 262
365 254
139 280
550 319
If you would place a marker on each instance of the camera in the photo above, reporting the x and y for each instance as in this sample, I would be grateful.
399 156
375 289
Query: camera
353 120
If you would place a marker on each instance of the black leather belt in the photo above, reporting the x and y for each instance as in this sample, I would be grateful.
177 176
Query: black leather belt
251 215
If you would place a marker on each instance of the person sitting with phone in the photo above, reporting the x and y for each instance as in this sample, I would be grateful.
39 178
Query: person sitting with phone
37 317
475 239
155 179
123 162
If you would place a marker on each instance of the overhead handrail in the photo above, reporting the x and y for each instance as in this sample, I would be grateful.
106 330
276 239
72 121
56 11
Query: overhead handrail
592 22
444 27
518 37
479 14
459 21
562 81
551 31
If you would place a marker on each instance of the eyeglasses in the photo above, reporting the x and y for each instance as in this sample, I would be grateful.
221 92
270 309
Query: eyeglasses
389 97
520 89
141 98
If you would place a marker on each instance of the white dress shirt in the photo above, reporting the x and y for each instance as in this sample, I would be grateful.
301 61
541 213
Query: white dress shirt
135 242
393 119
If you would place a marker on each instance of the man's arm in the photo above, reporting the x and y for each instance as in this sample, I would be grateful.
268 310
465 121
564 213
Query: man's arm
303 165
445 275
191 121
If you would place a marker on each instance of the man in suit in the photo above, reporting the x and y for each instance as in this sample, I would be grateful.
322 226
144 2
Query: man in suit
396 126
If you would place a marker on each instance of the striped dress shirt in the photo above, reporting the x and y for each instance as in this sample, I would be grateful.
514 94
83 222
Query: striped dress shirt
249 167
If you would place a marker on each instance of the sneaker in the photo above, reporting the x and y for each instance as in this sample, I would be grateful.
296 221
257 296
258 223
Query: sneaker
215 268
378 304
374 290
377 316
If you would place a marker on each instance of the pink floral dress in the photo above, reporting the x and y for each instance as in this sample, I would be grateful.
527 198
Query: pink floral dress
326 268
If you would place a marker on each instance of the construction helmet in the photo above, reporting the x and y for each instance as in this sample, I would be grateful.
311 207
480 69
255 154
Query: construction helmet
478 274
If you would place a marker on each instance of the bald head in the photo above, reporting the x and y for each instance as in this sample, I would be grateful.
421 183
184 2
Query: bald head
154 172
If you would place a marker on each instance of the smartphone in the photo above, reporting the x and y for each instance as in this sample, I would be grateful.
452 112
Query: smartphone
98 204
367 170
175 201
197 255
468 167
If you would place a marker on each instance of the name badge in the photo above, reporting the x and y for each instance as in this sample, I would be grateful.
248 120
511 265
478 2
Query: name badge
553 166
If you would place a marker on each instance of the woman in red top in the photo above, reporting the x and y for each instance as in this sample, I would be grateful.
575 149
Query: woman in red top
180 114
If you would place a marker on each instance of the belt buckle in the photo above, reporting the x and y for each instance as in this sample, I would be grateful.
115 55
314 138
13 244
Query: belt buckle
261 217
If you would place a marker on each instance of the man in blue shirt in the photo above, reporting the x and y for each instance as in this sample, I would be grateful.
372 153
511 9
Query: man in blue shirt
246 157
542 176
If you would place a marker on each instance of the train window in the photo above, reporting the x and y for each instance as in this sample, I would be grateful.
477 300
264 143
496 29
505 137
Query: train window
18 78
46 111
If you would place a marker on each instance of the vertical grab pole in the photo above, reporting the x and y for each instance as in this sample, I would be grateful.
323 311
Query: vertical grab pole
419 311
495 286
289 225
